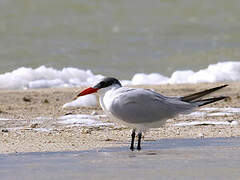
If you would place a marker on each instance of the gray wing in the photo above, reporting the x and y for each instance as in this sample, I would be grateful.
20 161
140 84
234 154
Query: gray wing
143 106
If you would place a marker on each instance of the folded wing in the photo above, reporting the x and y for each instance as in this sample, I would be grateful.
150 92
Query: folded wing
140 106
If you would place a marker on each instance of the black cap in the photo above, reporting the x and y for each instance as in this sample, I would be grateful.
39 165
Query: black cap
108 81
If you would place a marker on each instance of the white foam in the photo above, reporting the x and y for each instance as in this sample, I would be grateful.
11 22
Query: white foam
47 77
153 78
4 119
83 120
205 114
218 112
231 110
180 77
226 110
83 101
46 83
195 114
197 123
42 129
222 71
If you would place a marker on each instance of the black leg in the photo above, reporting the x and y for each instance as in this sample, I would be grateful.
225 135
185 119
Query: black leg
133 137
139 140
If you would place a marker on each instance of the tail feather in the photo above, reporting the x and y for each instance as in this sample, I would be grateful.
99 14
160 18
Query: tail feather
208 101
191 97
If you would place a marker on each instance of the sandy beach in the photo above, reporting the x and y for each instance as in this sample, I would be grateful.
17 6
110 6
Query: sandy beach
29 120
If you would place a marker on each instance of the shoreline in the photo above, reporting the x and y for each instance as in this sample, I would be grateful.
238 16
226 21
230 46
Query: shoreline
21 129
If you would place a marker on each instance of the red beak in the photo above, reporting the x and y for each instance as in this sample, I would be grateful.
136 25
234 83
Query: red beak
86 91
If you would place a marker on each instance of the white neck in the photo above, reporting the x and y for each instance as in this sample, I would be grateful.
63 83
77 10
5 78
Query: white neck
106 92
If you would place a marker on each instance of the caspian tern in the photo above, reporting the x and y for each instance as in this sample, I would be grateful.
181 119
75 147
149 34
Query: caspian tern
142 109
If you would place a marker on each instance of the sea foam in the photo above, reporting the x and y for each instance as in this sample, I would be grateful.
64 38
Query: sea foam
47 77
222 71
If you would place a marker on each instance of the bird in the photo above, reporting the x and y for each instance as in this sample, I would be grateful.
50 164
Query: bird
142 109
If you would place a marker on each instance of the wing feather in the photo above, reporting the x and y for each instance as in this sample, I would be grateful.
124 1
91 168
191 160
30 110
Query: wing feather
140 106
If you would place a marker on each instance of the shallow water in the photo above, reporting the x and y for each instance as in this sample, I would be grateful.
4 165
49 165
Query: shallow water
210 158
118 38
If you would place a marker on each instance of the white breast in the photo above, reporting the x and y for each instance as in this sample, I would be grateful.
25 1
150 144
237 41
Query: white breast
107 95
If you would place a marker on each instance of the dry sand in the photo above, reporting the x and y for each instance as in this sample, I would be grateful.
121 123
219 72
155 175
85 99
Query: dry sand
22 133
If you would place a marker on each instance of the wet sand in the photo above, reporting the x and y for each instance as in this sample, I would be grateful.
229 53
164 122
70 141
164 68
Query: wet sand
209 158
21 130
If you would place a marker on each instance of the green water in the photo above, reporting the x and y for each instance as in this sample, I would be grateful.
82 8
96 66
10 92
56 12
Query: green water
118 38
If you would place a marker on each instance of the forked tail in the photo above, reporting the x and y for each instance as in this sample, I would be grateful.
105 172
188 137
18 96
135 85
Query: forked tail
191 97
195 98
208 101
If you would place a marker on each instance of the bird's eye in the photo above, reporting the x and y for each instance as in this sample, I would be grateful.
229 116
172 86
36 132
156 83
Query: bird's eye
102 83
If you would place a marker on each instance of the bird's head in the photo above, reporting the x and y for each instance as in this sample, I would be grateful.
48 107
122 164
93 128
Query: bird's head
104 84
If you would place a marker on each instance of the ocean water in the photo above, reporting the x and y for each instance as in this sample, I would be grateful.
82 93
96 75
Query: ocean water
129 40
